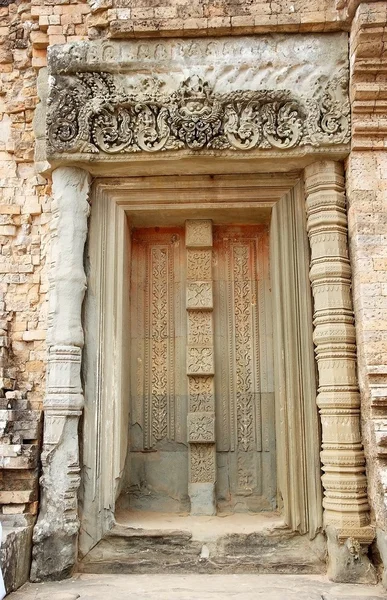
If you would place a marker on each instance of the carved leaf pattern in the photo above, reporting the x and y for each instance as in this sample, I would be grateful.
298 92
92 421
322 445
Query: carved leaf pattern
201 393
159 335
88 112
200 360
199 265
201 427
202 463
246 471
199 294
243 348
198 232
199 327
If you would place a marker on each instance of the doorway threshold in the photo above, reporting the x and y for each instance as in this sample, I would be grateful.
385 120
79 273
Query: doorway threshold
150 542
201 528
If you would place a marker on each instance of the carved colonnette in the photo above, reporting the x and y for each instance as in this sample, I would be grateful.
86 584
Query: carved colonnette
346 508
56 531
200 367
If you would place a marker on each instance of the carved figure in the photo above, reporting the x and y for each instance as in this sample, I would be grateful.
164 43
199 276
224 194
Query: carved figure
88 113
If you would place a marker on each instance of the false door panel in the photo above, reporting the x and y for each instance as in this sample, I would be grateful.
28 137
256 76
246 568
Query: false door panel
244 401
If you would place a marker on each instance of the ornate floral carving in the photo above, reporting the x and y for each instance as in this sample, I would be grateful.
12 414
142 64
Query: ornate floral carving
198 233
202 463
243 347
159 342
201 427
200 327
199 294
201 393
91 112
199 265
200 360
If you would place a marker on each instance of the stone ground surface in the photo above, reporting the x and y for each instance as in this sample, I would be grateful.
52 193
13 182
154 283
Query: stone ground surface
197 587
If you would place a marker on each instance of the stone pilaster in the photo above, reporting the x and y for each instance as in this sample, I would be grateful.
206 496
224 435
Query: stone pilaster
200 367
346 509
56 532
366 170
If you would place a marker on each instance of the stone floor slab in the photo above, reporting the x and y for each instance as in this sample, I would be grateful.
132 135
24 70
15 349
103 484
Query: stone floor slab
197 587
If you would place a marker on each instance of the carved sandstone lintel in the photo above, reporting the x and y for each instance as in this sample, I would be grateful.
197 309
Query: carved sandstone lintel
91 112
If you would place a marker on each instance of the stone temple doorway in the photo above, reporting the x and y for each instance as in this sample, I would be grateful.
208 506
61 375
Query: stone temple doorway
226 315
197 285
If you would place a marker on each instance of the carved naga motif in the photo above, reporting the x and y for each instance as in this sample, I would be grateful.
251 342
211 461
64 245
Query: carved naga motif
88 112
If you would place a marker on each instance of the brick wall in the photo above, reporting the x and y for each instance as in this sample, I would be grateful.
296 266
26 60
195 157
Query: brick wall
135 18
24 239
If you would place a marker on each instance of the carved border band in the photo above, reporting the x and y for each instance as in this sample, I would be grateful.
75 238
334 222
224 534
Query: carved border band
200 363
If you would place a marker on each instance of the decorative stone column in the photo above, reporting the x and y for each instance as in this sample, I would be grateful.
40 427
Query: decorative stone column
56 532
346 510
200 367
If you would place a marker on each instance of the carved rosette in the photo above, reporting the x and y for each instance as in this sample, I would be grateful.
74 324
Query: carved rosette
200 367
90 112
345 487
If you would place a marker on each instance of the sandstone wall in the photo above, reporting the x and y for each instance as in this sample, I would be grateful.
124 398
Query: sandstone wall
367 219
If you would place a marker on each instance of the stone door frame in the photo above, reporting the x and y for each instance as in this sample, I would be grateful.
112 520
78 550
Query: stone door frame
91 132
147 200
346 517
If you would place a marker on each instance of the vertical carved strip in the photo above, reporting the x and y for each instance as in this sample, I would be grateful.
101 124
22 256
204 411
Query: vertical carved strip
158 258
200 367
345 488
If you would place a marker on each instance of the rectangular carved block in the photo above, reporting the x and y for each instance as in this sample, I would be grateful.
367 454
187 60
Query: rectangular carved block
200 360
202 463
201 393
201 427
199 264
198 233
200 328
199 295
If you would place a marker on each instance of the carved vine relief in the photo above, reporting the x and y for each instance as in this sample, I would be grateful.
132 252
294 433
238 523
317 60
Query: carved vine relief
90 112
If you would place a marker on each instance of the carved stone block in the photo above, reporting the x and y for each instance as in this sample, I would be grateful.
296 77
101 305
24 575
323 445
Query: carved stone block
199 265
198 233
200 360
199 295
200 327
202 463
201 393
201 427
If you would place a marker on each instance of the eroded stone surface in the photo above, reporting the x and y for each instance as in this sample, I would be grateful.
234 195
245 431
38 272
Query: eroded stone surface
56 531
231 94
187 587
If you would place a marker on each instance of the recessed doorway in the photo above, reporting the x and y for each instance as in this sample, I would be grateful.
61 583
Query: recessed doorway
242 395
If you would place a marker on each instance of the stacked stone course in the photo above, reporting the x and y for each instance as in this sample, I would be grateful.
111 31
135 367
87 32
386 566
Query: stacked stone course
366 176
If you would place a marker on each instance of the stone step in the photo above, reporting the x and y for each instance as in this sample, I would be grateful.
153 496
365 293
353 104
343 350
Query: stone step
129 550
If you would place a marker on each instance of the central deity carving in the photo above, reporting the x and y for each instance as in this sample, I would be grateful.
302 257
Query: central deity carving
90 112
